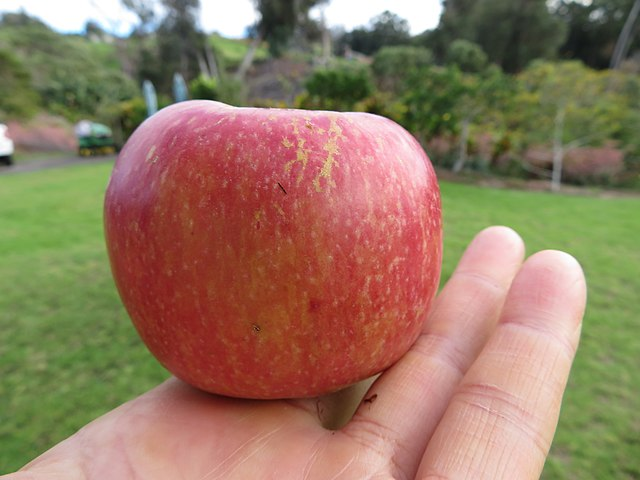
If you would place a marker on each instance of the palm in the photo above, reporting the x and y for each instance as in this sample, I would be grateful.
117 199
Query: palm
476 397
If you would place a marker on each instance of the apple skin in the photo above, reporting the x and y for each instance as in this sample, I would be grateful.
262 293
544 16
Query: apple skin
267 253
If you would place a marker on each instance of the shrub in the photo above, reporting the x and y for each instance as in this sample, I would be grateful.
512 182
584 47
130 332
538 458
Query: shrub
19 99
391 65
130 114
204 88
467 56
593 165
338 88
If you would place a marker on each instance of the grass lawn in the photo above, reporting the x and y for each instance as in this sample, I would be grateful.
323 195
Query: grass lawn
68 352
234 50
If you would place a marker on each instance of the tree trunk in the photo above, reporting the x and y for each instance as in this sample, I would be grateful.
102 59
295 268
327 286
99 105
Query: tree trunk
211 60
558 149
624 40
247 61
326 39
462 148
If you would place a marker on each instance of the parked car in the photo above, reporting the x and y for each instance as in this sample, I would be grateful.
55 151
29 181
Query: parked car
6 146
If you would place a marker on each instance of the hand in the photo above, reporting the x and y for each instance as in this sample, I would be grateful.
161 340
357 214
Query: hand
477 396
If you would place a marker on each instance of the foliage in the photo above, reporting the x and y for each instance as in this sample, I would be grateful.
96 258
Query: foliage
230 52
128 115
511 32
431 95
145 11
467 56
593 28
280 20
179 42
232 91
204 88
595 111
392 64
338 88
384 104
387 29
18 100
73 76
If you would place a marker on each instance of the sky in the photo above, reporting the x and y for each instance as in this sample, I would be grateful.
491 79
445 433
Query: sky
229 18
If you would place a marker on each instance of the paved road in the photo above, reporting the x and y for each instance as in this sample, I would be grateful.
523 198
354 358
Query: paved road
36 165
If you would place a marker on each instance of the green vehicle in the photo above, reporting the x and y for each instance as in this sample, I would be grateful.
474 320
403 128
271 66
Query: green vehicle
94 139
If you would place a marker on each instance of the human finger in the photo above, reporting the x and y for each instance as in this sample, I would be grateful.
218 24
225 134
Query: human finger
403 407
503 416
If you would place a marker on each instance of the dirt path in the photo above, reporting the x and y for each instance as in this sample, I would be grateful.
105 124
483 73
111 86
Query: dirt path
36 165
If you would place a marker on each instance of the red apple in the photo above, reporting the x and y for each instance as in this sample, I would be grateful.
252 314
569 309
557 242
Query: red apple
267 253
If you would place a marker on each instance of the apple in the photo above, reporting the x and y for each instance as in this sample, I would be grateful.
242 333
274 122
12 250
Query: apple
272 253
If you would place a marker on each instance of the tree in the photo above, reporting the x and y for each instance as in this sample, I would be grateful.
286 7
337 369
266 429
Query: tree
279 21
145 10
511 32
568 105
15 78
624 40
71 75
392 65
483 98
179 42
467 56
431 95
594 28
337 88
387 29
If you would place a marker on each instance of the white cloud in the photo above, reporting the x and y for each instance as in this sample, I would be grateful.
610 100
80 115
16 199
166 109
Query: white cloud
229 18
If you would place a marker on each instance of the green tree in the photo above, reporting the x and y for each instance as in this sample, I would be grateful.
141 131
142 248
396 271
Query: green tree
387 29
145 10
205 88
467 56
72 75
626 36
180 42
431 96
593 29
391 65
338 88
567 105
279 21
483 100
511 32
19 99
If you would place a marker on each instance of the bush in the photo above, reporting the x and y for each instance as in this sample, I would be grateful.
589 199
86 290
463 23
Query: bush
232 91
467 56
593 165
204 88
337 88
391 65
432 98
384 104
227 90
19 99
130 114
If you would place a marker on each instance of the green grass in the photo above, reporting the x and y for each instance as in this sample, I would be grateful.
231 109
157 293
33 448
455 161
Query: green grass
68 353
234 50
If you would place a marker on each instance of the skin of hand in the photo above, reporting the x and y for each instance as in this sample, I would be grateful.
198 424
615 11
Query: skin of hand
477 396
